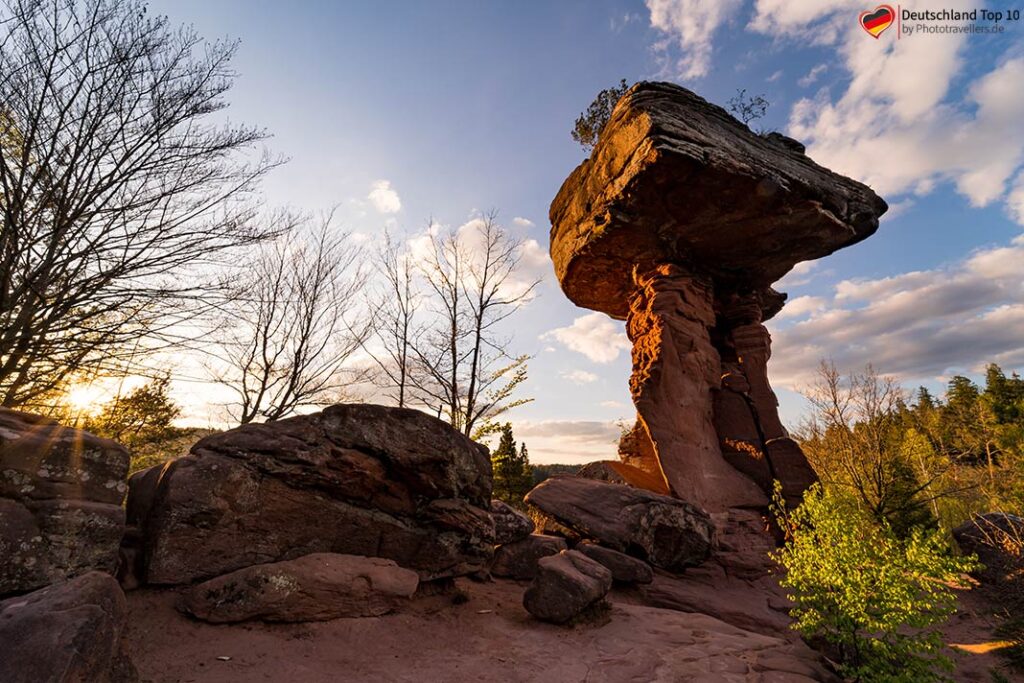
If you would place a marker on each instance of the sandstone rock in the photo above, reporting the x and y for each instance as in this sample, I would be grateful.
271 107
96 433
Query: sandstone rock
518 560
354 479
60 501
67 632
675 367
566 585
510 525
676 179
666 532
315 587
622 473
624 569
679 222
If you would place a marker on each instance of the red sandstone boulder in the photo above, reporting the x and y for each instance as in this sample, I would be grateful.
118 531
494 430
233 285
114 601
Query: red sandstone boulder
70 632
518 560
566 584
314 587
666 532
353 479
60 501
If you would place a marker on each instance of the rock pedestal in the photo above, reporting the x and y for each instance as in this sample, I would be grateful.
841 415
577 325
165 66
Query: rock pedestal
678 223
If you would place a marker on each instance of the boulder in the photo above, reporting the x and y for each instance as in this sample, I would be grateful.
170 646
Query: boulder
566 584
71 631
624 569
518 560
510 525
666 532
353 479
61 491
314 587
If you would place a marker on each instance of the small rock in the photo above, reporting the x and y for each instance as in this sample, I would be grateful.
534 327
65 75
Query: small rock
624 568
69 631
519 560
314 587
566 585
510 525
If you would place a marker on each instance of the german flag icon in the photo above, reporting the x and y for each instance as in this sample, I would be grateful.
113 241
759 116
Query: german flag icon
877 20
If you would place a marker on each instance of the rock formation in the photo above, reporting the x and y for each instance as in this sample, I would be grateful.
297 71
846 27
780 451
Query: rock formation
679 222
60 501
315 587
354 479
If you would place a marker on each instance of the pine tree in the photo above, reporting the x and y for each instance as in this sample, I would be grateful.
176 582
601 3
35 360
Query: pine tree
513 476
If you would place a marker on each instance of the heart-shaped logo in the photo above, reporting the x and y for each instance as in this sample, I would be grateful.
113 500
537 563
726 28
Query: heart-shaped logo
877 20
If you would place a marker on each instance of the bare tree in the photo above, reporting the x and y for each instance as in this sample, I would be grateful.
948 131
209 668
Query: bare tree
294 325
856 438
395 324
116 186
463 368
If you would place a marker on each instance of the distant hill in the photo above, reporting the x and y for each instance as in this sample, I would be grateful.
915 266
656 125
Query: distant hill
542 472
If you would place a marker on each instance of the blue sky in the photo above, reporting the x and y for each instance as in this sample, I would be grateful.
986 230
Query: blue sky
447 108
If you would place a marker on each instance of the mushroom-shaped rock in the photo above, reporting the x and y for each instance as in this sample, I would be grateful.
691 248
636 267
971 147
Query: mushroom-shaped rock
679 222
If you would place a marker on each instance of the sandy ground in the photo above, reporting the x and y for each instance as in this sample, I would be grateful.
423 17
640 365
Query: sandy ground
488 638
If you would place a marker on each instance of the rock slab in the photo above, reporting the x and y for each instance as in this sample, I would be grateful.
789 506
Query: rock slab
353 479
316 587
666 532
566 584
624 569
60 501
69 632
518 560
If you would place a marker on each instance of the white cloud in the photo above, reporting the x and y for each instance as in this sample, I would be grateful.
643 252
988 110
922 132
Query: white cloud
615 405
916 325
801 306
812 75
691 26
578 376
894 129
384 198
534 261
522 222
568 441
595 335
1015 200
775 76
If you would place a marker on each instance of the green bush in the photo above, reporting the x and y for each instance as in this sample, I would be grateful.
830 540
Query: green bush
874 598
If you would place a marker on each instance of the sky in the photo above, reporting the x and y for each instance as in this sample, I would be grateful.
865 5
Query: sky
402 113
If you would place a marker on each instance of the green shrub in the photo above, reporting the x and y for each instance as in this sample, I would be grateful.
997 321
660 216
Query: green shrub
875 599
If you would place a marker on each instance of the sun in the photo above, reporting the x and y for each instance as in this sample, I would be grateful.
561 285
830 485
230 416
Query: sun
85 398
